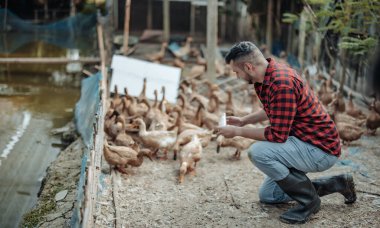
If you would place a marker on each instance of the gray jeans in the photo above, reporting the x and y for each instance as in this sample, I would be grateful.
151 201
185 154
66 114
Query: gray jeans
275 159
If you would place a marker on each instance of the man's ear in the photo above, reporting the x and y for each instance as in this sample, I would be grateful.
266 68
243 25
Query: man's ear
248 66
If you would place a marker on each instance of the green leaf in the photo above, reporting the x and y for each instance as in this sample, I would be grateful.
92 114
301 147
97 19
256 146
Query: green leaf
358 46
289 18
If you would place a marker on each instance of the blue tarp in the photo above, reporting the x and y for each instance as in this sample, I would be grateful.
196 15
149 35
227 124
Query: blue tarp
87 107
86 110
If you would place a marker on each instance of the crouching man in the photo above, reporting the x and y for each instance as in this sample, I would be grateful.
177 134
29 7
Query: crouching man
301 137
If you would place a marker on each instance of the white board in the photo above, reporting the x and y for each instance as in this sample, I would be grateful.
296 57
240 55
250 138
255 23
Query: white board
130 73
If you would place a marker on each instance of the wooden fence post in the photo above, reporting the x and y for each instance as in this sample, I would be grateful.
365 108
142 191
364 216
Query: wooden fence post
192 19
269 25
149 18
212 34
302 37
166 15
126 26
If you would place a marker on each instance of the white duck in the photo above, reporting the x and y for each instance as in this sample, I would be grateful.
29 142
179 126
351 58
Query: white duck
191 153
156 140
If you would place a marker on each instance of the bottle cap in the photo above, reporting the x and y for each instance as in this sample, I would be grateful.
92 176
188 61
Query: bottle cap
223 120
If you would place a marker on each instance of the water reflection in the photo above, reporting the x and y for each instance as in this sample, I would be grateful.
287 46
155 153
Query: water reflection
43 96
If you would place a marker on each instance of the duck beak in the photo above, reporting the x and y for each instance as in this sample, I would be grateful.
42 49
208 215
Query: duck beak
181 178
147 153
135 125
115 113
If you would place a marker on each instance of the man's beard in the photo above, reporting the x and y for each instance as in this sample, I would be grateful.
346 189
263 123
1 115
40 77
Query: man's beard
250 81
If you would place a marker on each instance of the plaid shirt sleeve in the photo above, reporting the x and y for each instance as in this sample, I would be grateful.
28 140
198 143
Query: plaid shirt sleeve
281 113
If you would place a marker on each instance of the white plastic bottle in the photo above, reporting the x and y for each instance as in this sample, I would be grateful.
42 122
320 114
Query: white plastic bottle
223 120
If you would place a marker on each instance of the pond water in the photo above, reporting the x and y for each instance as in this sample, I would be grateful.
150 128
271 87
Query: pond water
34 99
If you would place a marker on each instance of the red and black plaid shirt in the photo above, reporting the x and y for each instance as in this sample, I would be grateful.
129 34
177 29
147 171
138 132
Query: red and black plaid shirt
294 110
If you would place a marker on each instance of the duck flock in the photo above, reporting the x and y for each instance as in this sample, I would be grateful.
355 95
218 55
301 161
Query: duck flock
137 127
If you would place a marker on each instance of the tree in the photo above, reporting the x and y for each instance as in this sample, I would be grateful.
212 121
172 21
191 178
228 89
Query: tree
355 22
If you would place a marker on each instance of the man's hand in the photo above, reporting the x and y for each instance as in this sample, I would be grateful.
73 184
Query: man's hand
228 131
235 121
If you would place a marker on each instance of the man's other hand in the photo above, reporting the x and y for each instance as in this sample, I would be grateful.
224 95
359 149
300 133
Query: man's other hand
227 131
235 121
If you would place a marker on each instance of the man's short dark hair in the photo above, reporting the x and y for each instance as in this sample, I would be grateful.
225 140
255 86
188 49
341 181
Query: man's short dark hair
240 50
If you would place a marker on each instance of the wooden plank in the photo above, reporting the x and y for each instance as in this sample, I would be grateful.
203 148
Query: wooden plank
93 172
115 191
149 16
192 20
166 19
212 35
115 13
48 60
126 26
302 38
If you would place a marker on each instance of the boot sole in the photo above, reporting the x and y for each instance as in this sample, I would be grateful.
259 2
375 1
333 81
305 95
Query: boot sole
351 187
299 222
303 221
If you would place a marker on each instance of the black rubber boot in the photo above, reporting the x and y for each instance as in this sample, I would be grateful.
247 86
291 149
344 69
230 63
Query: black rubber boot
299 187
344 184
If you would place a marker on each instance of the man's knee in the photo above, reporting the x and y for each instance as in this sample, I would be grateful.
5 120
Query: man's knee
258 152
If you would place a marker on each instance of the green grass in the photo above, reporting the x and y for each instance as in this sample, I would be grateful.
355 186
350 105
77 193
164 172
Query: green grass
47 204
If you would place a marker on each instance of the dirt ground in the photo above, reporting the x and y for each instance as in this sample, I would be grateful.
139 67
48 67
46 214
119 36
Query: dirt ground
223 193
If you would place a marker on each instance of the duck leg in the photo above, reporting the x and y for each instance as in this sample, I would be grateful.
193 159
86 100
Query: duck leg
121 169
155 153
236 154
372 131
192 171
165 157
